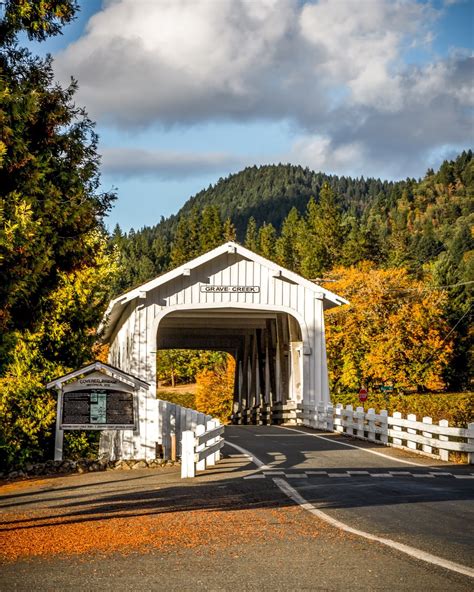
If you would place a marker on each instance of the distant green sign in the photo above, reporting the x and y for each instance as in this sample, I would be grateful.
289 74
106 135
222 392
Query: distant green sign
386 389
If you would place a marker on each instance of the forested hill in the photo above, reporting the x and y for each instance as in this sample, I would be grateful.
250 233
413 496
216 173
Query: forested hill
393 223
265 193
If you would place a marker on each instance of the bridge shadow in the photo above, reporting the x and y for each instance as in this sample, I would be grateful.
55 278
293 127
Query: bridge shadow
222 489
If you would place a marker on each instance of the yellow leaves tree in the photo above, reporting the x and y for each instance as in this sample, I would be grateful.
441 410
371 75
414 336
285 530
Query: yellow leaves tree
215 390
62 341
393 331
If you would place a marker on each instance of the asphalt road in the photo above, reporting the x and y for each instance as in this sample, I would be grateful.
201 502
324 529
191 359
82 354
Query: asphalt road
232 527
429 507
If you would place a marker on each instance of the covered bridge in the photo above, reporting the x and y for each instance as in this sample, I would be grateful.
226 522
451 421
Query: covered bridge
229 299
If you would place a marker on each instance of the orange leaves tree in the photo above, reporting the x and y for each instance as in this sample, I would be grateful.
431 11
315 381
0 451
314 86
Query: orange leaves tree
215 390
393 331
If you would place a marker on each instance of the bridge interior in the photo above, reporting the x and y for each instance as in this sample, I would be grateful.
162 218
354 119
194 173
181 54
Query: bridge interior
267 347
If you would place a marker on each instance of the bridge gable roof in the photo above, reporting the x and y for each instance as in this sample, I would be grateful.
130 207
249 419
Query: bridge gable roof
117 305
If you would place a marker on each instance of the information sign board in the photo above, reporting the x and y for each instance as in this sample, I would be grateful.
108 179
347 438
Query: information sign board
98 409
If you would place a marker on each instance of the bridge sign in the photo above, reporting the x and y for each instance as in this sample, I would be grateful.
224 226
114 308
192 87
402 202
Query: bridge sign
96 397
363 395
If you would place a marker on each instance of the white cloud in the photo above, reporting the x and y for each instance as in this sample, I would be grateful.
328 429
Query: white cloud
334 67
318 153
124 163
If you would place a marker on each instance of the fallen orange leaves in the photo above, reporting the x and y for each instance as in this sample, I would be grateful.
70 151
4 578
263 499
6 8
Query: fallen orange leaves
37 534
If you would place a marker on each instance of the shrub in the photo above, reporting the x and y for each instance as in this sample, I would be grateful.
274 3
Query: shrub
457 408
215 390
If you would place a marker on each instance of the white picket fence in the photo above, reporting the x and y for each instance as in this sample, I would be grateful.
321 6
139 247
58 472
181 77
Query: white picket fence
421 437
201 448
173 420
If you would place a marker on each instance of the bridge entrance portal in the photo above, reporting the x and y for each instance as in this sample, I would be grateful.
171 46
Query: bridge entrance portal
266 345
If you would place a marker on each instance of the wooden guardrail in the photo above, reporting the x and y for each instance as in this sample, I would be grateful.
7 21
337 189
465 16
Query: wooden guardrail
422 437
200 448
173 420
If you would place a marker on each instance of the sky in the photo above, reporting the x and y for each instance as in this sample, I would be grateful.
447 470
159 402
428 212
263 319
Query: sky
185 92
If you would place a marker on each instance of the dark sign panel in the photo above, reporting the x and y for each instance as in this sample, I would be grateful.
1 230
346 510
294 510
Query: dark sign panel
98 409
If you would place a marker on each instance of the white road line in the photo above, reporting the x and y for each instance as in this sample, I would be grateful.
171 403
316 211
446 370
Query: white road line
406 462
288 490
412 551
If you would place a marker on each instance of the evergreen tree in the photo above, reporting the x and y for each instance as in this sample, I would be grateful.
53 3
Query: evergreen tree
286 248
266 241
37 18
321 237
49 172
186 243
251 236
211 231
229 231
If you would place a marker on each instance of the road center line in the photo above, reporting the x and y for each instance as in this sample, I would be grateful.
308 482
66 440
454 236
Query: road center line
290 492
406 462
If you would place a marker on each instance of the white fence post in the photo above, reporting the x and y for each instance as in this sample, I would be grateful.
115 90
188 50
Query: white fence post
217 455
200 465
384 427
313 418
397 428
338 418
443 454
329 418
371 424
410 444
187 455
470 441
360 422
210 425
426 447
349 413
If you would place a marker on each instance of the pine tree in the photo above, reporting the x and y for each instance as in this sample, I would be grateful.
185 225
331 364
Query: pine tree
186 243
251 236
211 231
229 231
286 249
266 241
49 175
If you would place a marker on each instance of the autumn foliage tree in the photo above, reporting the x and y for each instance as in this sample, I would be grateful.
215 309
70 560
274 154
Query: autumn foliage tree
215 390
392 332
62 340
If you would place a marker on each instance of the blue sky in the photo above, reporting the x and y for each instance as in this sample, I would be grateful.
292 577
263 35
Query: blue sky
187 91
